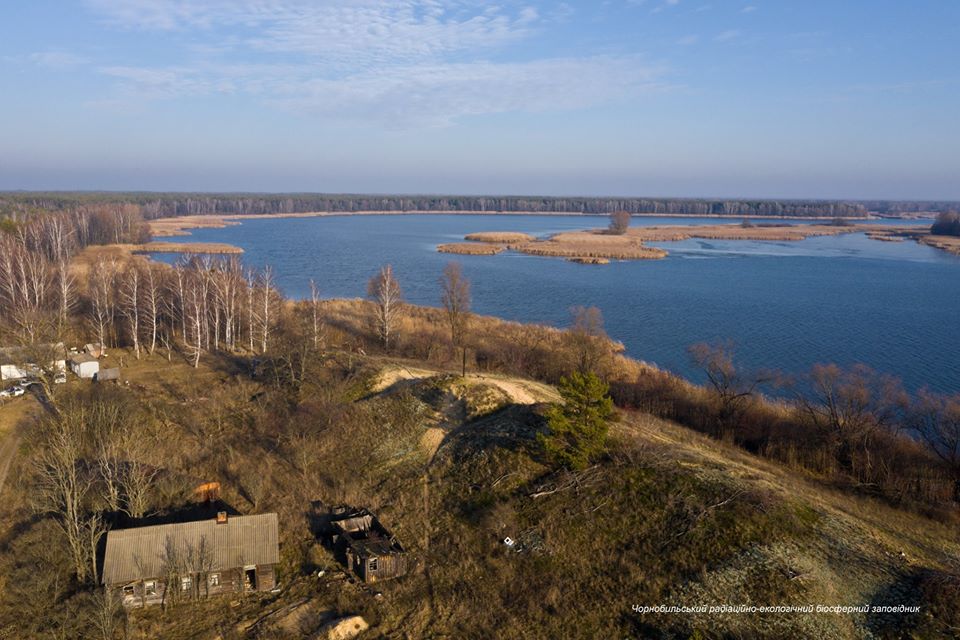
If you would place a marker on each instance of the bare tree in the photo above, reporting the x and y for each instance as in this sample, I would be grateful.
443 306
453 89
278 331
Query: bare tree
129 298
268 293
384 289
619 223
849 406
105 421
588 340
251 312
107 613
152 301
100 290
62 486
25 278
227 280
194 310
315 312
138 476
733 387
455 296
936 418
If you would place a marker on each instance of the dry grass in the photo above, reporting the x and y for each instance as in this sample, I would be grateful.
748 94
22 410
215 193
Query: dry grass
738 232
596 246
470 248
167 227
593 244
949 244
500 237
187 247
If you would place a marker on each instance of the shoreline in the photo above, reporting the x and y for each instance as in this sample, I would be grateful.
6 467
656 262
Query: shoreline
178 225
596 246
589 246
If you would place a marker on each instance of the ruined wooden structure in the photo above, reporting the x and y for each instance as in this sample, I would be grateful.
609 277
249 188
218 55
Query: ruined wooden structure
156 564
367 548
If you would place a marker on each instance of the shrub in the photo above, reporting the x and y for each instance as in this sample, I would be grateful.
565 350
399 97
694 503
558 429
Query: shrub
619 223
946 224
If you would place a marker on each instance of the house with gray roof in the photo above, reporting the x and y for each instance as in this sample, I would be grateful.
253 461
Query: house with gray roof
160 563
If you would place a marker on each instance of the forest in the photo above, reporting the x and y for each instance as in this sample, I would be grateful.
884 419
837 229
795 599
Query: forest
159 205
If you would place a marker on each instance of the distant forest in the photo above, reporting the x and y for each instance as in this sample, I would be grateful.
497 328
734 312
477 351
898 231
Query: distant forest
157 205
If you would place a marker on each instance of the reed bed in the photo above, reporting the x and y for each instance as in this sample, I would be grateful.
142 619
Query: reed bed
471 248
499 237
219 248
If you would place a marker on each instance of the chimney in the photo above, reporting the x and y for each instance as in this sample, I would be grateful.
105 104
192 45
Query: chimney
221 517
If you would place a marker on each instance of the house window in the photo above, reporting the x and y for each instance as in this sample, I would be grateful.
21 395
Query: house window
186 583
214 580
150 588
374 564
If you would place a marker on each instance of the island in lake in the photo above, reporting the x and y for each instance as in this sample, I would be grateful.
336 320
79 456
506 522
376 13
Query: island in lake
599 246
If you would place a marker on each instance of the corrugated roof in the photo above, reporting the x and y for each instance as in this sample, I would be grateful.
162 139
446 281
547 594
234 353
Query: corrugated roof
134 554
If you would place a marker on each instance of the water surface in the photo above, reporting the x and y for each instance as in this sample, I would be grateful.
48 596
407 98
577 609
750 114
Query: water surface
786 305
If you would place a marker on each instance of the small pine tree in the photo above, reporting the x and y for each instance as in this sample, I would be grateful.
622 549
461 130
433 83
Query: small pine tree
578 427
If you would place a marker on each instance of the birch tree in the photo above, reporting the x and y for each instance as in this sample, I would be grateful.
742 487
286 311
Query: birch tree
384 290
129 294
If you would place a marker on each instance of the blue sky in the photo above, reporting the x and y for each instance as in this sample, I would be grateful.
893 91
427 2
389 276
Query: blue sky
811 98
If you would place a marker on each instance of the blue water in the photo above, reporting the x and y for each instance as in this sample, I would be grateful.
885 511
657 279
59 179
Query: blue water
786 305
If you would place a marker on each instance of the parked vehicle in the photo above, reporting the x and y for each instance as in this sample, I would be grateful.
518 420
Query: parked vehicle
12 392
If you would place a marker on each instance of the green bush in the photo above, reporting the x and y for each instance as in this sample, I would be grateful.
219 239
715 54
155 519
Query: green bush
578 427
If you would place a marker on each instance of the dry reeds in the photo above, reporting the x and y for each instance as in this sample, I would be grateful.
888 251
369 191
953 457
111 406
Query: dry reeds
499 237
470 248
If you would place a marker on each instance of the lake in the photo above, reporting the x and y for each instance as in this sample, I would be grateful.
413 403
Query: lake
786 305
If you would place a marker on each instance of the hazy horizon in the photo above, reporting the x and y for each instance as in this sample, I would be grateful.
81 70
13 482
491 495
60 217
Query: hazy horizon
625 98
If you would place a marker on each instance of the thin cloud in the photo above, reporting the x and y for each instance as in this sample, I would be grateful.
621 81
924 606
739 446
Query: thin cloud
403 97
748 9
57 60
728 35
401 64
688 40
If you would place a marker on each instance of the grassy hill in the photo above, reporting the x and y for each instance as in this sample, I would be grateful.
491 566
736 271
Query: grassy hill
668 517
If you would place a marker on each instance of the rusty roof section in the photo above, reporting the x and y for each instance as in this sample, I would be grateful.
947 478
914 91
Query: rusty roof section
139 553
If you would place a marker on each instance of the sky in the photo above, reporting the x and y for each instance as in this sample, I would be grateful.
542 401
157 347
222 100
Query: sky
664 98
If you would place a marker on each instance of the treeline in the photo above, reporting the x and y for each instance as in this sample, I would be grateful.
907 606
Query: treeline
893 207
38 288
156 205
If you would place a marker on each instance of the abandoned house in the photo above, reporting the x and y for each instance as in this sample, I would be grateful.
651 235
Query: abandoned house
228 554
367 547
84 366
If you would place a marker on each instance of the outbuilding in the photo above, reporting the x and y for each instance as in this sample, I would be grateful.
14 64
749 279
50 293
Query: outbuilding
84 365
